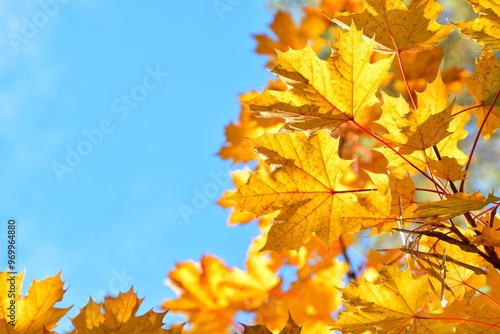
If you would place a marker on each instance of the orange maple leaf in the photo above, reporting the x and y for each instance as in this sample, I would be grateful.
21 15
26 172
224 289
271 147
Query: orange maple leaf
118 315
290 328
211 295
237 147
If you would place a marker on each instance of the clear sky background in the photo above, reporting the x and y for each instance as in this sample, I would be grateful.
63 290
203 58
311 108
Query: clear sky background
111 219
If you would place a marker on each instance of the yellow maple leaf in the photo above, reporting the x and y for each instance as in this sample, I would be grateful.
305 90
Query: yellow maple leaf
305 187
481 5
454 205
485 29
448 146
462 282
395 304
394 111
90 317
324 94
490 235
424 129
450 280
401 167
448 169
403 195
413 130
493 283
236 216
482 315
484 86
435 96
35 311
398 28
118 315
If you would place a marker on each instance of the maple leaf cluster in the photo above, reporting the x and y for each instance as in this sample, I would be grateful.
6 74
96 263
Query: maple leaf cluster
36 312
361 186
371 143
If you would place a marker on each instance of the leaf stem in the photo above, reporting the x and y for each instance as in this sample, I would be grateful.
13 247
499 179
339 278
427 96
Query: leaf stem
414 103
430 190
480 292
467 109
403 74
490 255
354 191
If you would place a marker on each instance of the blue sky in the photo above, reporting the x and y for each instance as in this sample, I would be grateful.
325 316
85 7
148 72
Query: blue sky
141 92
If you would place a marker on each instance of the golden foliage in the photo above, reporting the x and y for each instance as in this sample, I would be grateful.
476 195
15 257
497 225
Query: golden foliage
365 137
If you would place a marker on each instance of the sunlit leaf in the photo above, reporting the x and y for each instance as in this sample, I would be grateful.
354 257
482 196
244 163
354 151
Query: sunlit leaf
398 28
304 186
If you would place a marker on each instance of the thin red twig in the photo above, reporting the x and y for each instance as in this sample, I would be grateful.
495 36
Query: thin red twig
400 61
477 138
467 109
431 191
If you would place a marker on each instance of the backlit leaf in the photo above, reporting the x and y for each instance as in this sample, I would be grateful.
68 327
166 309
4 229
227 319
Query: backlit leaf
454 205
395 304
398 28
305 187
448 169
211 293
33 312
484 86
118 315
413 130
323 94
485 29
